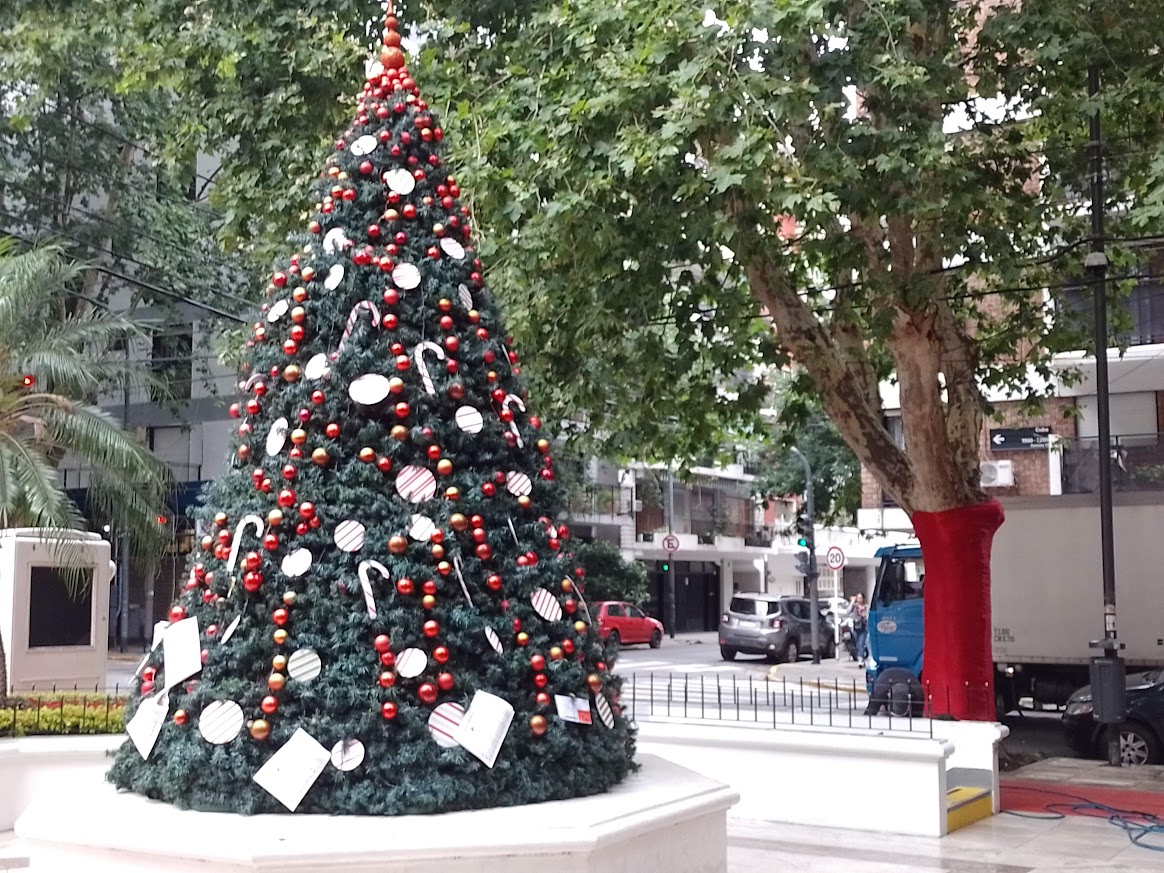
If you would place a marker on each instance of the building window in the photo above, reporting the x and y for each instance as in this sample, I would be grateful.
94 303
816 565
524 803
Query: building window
1143 321
172 361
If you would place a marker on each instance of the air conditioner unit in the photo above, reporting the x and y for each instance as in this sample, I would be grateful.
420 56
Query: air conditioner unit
638 505
997 474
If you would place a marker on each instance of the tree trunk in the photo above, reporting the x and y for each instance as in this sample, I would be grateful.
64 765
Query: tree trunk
958 670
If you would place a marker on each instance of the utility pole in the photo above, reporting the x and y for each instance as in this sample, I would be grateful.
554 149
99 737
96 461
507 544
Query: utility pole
810 544
1107 670
670 592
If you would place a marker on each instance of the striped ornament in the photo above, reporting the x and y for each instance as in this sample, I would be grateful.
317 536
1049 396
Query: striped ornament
277 437
304 665
297 563
400 180
605 714
469 419
363 145
443 723
220 722
411 663
349 536
347 755
518 484
546 605
494 640
452 248
406 276
366 583
416 484
421 528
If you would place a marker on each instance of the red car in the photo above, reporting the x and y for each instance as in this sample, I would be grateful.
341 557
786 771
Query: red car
625 623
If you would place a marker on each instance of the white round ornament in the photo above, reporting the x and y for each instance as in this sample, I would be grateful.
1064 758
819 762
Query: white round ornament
518 484
400 181
304 665
333 241
469 419
416 484
317 367
604 712
494 640
443 722
297 563
421 528
452 248
230 629
373 70
278 310
349 535
334 276
347 755
406 276
369 389
220 722
363 145
411 663
546 605
277 437
466 296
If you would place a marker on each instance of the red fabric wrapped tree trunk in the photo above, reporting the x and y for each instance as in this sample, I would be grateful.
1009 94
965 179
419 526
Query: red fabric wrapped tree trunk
958 668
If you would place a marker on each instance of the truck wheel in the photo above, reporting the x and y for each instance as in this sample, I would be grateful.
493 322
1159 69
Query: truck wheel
1138 745
727 654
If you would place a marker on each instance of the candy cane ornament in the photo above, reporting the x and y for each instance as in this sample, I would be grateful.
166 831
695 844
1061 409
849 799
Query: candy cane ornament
247 521
366 584
457 566
354 316
250 382
513 399
418 356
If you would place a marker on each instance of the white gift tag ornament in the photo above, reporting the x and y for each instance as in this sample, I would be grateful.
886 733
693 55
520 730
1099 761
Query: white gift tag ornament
416 484
334 276
546 605
347 755
469 420
278 310
230 629
220 722
317 367
297 563
445 719
401 181
411 663
333 241
349 535
406 276
277 437
369 389
304 665
363 145
289 773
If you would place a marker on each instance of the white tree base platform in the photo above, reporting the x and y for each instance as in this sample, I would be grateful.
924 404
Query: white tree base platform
663 818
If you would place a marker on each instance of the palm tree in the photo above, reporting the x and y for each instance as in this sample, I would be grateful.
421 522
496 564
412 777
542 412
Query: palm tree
55 360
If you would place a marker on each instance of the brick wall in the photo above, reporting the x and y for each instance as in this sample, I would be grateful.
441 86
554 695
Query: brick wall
1031 468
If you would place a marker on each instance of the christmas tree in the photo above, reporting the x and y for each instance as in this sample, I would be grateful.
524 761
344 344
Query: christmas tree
383 618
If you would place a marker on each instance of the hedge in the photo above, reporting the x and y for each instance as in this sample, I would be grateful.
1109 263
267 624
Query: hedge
41 714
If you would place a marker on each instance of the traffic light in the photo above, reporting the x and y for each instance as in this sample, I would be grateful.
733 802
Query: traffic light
804 530
666 566
802 565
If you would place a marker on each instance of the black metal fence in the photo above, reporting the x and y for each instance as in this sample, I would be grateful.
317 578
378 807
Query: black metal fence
63 711
1137 464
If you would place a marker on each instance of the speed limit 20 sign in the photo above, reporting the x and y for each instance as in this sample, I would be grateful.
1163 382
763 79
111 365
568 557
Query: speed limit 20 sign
834 558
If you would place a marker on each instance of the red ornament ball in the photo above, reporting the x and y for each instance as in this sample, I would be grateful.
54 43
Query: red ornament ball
431 628
388 710
427 693
445 681
382 643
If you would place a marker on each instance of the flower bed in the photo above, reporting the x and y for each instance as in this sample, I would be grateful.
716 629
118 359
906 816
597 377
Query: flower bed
57 713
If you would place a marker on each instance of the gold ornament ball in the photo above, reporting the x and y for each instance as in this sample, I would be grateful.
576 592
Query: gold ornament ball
523 639
279 636
538 725
458 522
399 433
452 492
395 384
320 456
291 373
220 518
567 585
444 466
594 681
543 445
275 517
367 454
260 729
438 551
524 502
298 314
279 662
276 681
397 545
556 653
428 601
444 568
207 543
289 598
579 627
300 294
299 436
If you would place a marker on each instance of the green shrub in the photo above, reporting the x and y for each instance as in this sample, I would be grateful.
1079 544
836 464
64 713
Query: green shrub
54 714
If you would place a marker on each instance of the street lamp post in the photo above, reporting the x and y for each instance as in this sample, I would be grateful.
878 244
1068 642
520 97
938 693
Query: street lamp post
810 543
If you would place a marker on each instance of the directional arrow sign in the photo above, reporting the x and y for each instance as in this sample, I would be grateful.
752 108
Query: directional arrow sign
1011 439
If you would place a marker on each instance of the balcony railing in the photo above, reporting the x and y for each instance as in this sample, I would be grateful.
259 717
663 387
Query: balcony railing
1137 464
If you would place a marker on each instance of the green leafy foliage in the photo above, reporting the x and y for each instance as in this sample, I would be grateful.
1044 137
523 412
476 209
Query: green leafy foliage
609 576
350 459
58 714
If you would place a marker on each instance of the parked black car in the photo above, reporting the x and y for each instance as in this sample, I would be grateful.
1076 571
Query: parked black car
1140 732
